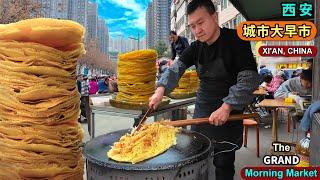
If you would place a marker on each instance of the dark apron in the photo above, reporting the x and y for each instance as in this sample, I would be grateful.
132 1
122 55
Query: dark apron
215 82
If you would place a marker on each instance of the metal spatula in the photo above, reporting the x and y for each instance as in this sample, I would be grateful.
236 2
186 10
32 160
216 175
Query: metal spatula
142 120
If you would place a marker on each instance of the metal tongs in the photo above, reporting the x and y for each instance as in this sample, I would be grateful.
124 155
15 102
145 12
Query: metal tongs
142 120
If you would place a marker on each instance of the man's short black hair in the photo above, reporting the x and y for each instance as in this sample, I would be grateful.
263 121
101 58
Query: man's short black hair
262 66
173 32
267 78
306 74
194 4
310 60
163 62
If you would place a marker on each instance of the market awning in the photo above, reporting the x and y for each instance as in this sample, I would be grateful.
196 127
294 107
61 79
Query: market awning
267 9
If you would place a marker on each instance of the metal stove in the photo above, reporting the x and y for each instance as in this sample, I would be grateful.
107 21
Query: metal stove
187 160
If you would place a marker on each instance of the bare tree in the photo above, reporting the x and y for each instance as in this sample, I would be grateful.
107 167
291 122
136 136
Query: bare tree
16 10
95 59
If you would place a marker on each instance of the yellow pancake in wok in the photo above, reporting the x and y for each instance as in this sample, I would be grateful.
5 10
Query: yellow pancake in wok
150 141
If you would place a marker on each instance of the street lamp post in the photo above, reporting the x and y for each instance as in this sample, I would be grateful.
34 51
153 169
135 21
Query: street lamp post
138 39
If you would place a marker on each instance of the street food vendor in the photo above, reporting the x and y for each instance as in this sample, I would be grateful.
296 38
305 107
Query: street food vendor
228 76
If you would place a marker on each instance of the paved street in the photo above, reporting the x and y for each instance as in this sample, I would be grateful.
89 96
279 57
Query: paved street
244 157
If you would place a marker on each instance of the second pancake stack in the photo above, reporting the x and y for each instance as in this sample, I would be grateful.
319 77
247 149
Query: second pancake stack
187 87
136 76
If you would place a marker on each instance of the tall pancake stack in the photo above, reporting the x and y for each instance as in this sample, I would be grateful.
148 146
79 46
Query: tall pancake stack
194 80
136 76
40 136
187 87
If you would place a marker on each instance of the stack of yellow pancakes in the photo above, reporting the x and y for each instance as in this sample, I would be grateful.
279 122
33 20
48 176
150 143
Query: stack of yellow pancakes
150 141
136 76
188 84
40 136
194 80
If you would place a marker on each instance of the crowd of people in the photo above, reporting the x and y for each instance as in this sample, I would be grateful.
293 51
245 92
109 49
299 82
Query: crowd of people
297 87
97 85
94 85
282 85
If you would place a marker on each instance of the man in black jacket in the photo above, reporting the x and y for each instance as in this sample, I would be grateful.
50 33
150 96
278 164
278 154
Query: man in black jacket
228 76
178 44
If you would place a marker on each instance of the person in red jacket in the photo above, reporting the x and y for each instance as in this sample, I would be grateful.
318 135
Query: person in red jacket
93 86
275 83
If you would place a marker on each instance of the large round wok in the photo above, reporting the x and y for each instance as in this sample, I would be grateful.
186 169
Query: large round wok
191 147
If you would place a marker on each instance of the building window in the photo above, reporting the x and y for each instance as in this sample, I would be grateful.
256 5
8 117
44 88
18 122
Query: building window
234 23
183 33
242 18
180 22
238 19
225 25
224 4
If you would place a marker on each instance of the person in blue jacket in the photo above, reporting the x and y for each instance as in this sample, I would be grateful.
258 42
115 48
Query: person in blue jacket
103 85
178 44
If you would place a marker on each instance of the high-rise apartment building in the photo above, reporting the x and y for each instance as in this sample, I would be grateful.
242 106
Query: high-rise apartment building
83 12
157 22
102 36
143 43
179 19
60 9
47 6
107 39
228 15
149 26
78 11
161 14
92 20
55 8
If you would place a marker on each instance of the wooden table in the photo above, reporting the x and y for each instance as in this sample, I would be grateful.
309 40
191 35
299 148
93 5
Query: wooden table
260 92
259 96
274 104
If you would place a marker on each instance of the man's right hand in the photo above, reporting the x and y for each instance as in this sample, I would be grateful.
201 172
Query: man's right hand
156 98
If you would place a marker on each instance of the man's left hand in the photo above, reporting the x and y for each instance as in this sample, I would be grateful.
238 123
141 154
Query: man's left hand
221 115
